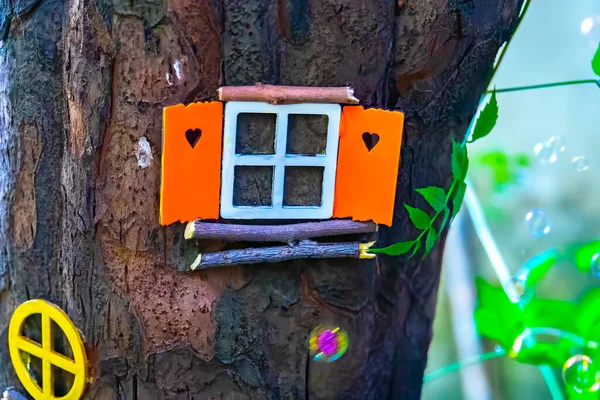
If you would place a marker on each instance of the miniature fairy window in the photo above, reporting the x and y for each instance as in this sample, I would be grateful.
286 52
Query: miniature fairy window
264 157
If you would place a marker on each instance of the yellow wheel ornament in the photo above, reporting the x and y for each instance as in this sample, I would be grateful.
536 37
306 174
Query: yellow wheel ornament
21 348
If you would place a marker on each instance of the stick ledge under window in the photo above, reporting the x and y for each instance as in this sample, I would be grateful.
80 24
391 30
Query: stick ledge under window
306 249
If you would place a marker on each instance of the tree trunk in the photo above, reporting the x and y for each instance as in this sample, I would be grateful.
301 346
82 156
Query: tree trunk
83 82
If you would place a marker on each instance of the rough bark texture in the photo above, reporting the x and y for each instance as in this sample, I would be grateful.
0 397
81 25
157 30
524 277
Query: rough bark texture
82 82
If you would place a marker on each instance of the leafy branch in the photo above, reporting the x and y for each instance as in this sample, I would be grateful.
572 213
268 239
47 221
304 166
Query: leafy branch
439 200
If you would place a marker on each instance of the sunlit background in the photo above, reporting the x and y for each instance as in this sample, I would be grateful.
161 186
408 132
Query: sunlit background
536 177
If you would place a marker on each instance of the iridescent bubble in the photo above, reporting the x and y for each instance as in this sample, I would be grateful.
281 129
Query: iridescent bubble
581 374
547 153
523 293
581 164
537 223
327 343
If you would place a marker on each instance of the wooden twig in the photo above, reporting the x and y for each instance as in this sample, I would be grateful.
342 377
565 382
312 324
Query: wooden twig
304 249
288 94
276 233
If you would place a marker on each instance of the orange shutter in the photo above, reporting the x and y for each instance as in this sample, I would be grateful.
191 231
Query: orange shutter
191 162
367 169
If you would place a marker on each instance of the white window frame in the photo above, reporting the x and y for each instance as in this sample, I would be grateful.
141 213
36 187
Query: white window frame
279 161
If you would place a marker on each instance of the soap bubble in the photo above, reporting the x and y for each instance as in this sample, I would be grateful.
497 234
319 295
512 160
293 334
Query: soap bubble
595 265
581 374
590 28
537 223
547 153
327 343
581 164
586 25
524 294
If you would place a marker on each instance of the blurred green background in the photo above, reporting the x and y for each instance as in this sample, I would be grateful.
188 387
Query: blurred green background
555 42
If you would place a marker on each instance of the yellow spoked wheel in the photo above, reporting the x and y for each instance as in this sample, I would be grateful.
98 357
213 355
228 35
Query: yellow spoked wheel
20 345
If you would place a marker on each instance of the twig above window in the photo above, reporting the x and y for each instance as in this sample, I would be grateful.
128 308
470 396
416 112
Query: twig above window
288 94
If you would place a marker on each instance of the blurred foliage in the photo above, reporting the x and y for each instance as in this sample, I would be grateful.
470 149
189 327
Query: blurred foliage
506 169
543 331
586 256
499 319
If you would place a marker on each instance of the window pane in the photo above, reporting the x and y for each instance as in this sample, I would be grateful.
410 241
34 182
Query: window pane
34 365
307 134
253 186
63 381
303 186
255 133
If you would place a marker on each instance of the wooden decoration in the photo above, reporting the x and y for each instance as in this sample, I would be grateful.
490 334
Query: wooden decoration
276 233
191 162
21 348
279 162
367 170
288 94
302 250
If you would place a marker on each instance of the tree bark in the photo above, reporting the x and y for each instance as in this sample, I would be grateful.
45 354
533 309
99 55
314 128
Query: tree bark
83 84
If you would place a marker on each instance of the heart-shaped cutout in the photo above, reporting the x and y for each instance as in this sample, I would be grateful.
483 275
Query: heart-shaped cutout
370 139
192 136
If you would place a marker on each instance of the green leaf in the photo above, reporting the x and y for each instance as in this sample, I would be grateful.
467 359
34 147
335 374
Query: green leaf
494 159
496 317
596 61
459 161
457 172
522 160
435 196
541 353
536 267
416 248
419 218
587 318
464 162
459 195
587 255
445 218
559 314
432 237
486 120
395 249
